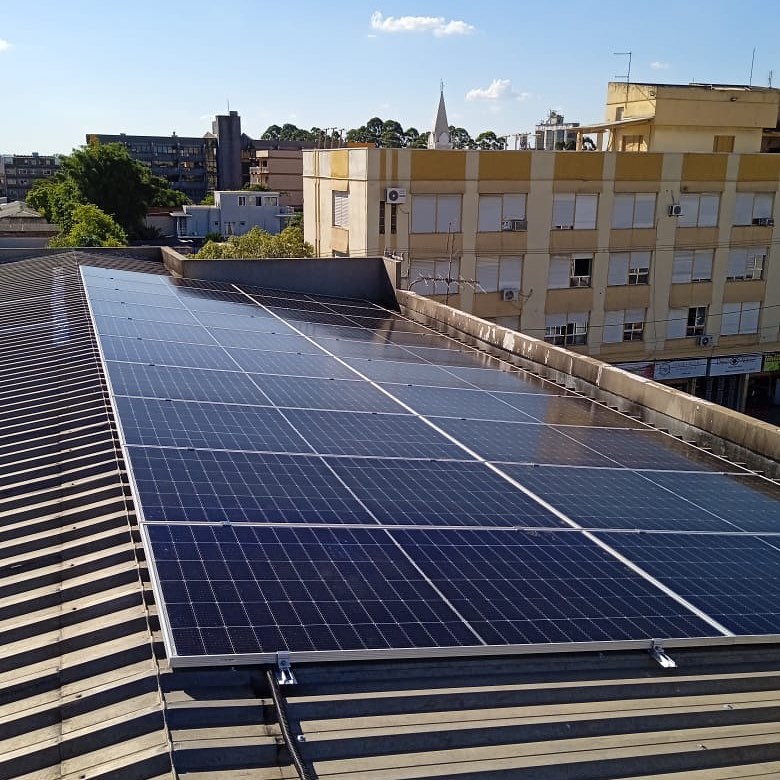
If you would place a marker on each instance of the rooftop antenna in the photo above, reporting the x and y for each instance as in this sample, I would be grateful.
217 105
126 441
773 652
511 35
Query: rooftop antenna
228 105
627 77
771 74
752 62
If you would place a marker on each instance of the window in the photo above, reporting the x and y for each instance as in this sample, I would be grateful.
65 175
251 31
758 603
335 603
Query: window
739 318
723 143
513 322
624 325
634 210
619 113
499 273
628 268
270 200
699 210
431 276
746 263
501 212
393 218
633 143
569 271
341 209
381 218
684 323
258 201
574 211
566 329
436 214
242 200
753 208
692 266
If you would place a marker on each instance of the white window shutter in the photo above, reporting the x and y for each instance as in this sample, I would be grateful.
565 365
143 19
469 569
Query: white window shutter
448 214
563 209
514 206
489 213
510 273
708 210
762 205
644 210
682 266
623 211
702 265
750 312
737 263
613 327
585 214
677 324
487 274
341 209
743 208
560 271
554 320
689 204
640 259
418 268
729 321
578 317
618 269
635 315
423 213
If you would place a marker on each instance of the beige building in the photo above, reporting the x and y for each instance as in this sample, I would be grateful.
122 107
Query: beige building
280 170
667 260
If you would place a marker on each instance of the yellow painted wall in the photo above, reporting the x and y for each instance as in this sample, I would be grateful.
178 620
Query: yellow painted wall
512 166
339 163
759 167
444 165
632 167
579 165
704 167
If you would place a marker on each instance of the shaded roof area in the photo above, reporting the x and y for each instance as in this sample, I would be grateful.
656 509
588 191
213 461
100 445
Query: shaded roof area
86 692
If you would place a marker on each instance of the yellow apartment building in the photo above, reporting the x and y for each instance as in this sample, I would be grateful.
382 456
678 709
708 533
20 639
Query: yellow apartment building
663 257
280 170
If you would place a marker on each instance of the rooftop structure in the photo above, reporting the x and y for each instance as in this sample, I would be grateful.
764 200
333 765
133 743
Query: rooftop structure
440 132
436 538
19 172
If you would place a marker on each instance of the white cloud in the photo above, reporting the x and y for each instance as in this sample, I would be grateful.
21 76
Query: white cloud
499 89
4 45
659 65
437 25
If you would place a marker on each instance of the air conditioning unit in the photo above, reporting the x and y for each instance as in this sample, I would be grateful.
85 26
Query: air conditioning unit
514 224
395 195
510 294
564 227
764 221
705 341
675 210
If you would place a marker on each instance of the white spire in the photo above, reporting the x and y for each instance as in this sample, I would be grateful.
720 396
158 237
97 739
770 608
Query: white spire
440 137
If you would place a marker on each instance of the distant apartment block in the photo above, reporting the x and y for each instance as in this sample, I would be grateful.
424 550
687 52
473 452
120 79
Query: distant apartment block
19 172
663 256
280 170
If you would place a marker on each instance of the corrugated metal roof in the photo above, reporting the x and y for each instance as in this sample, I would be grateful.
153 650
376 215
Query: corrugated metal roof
85 691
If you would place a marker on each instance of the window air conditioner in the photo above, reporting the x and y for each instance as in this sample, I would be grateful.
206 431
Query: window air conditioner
675 210
514 224
564 227
764 221
705 341
395 195
510 294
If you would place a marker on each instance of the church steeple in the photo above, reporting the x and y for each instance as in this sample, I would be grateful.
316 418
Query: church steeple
440 136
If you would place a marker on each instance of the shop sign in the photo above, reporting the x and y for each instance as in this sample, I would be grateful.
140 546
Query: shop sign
679 369
736 364
643 368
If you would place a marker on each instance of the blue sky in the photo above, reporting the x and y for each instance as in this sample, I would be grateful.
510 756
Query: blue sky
70 67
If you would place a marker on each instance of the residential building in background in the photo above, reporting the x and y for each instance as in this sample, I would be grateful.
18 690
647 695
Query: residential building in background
280 170
19 172
22 226
662 257
234 213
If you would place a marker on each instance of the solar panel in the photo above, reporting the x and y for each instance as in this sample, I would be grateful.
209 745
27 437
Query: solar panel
194 486
156 297
288 503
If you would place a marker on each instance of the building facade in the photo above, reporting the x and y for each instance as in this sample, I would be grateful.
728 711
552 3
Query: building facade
19 172
667 262
280 170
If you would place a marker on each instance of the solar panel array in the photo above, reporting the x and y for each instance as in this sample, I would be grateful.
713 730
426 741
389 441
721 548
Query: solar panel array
318 475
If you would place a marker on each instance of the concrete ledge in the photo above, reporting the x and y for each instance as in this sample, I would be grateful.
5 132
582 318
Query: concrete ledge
370 278
684 414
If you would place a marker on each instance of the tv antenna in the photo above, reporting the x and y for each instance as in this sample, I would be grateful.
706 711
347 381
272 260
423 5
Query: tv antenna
627 77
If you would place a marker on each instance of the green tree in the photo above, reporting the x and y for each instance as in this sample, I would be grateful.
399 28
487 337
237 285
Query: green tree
272 133
460 138
55 199
208 200
259 244
489 140
90 226
393 135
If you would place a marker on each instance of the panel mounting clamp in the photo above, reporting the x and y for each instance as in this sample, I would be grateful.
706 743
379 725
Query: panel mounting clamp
284 673
659 655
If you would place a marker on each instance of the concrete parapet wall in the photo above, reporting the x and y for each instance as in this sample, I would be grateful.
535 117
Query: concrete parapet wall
726 431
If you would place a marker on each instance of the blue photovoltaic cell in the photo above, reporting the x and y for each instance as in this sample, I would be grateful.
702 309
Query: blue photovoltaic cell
251 339
516 588
290 363
212 301
145 329
155 297
380 435
207 426
645 449
187 384
616 498
406 373
138 312
249 589
211 486
376 350
489 378
257 321
448 357
521 443
433 492
734 579
165 352
318 393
